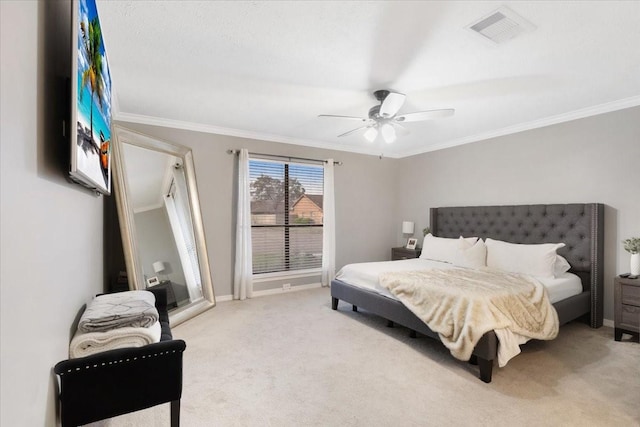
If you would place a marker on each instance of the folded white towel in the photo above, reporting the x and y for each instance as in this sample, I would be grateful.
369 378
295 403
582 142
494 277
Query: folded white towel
88 343
119 310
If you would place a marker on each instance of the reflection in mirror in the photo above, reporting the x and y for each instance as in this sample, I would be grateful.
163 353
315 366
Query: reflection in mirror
161 223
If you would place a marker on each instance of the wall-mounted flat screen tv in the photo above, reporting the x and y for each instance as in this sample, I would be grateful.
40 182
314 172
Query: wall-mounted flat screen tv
90 101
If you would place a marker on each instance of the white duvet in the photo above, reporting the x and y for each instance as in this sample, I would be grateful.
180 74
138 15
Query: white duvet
366 275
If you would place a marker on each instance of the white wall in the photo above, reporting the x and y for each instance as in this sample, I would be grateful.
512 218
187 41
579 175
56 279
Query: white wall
51 252
596 159
365 198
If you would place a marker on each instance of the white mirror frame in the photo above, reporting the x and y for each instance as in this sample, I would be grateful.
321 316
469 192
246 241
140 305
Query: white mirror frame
127 225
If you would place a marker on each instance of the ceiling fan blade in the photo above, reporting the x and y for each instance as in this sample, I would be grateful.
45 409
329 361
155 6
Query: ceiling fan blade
392 104
344 117
425 115
353 131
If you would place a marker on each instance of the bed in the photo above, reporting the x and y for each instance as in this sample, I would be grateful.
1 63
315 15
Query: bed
579 226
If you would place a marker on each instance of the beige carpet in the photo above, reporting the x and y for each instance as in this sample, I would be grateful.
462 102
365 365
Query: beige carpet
289 360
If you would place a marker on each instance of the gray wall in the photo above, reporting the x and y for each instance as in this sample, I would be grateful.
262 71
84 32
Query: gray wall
595 159
365 199
156 243
51 252
588 160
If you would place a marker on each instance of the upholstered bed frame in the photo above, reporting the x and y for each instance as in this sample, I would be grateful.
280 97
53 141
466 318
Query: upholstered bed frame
579 226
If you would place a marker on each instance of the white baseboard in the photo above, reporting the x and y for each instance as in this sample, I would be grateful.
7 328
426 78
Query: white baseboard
609 323
223 298
282 291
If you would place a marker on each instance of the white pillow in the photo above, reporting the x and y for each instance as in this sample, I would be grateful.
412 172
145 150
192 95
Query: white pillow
474 256
561 266
535 260
443 249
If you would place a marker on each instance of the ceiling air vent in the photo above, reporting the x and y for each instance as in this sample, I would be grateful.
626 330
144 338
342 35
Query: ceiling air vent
501 25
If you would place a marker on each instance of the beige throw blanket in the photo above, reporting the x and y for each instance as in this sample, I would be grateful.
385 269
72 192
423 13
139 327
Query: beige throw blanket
88 343
462 304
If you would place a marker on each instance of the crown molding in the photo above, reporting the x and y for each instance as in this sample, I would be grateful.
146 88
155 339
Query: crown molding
608 107
148 208
239 133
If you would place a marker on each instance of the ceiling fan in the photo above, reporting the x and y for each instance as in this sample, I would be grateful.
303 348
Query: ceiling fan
383 118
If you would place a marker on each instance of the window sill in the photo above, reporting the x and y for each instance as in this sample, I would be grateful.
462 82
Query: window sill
268 277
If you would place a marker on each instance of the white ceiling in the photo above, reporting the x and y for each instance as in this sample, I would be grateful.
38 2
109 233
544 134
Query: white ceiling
266 70
147 172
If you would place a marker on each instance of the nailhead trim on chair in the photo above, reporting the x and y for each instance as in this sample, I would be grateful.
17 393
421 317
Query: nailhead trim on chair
114 362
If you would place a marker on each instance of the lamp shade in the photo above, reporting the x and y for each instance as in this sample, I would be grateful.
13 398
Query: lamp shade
158 266
407 227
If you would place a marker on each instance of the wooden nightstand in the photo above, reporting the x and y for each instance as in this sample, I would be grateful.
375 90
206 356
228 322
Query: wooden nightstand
404 253
627 307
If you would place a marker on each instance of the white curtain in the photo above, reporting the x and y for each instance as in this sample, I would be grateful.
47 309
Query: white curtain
242 280
328 227
183 243
189 251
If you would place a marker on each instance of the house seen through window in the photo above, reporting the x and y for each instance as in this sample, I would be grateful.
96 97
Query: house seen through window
286 215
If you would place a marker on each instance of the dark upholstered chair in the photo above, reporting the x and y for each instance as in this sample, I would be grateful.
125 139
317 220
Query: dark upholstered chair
117 382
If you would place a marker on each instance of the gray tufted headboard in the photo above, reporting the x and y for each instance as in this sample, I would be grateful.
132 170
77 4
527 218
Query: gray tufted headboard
579 226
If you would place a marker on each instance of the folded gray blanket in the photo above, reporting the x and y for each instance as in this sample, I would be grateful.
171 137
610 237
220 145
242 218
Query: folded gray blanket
123 309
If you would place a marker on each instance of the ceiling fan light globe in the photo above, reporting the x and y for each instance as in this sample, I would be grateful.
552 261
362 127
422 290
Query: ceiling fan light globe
383 118
388 133
371 134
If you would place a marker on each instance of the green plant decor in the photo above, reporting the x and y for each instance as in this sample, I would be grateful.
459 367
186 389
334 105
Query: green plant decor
632 245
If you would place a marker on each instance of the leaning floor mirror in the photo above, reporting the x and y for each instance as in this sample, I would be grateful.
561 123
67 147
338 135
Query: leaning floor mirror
161 223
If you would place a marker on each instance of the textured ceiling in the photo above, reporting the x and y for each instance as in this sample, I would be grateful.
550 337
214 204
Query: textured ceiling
266 70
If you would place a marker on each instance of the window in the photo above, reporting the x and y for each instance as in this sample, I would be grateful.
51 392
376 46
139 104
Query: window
286 215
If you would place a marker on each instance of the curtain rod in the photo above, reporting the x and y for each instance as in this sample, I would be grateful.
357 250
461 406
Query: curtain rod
285 157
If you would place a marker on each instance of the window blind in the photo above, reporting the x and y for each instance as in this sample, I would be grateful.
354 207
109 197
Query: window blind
286 215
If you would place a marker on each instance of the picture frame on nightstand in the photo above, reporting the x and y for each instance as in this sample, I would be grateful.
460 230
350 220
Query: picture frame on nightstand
411 243
152 281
